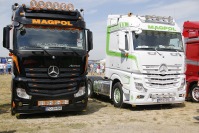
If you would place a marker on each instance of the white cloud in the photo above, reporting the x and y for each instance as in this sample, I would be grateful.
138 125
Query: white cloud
99 39
181 10
93 11
155 5
132 1
178 10
85 4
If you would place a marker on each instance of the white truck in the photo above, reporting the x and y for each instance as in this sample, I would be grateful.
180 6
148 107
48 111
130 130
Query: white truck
145 61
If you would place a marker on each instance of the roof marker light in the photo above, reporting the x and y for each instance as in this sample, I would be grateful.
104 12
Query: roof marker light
170 19
159 19
63 6
70 7
56 5
49 5
38 5
33 3
41 4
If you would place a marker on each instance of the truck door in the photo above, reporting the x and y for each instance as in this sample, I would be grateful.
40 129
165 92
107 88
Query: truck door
123 62
192 58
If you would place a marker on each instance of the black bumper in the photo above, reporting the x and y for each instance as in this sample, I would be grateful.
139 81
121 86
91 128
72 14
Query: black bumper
30 106
79 105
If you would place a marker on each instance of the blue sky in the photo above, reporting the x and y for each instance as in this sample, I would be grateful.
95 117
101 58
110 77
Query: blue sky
96 12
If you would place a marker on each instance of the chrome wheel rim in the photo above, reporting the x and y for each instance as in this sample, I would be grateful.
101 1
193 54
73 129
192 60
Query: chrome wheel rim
89 89
195 94
117 95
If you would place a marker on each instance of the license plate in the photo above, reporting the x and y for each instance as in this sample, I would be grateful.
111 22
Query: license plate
58 108
53 102
165 100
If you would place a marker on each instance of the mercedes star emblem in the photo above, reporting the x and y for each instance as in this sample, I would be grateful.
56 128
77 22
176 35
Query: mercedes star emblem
163 69
53 71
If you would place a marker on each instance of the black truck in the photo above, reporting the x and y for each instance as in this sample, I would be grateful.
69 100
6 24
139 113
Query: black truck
49 46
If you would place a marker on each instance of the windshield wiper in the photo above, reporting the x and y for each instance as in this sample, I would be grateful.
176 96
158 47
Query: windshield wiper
63 48
152 49
178 52
144 48
74 51
158 52
171 49
43 50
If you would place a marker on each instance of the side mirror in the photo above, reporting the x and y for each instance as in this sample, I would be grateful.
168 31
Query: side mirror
6 37
90 40
193 34
122 40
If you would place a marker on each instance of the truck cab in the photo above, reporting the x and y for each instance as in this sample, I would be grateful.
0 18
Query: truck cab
49 46
145 61
191 35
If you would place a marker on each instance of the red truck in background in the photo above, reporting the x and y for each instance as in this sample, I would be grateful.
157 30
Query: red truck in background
191 35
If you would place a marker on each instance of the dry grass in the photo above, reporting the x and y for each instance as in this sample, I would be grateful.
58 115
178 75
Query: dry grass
101 117
5 93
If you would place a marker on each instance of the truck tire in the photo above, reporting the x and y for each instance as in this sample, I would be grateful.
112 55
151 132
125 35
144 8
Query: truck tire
12 112
195 93
117 95
21 116
90 89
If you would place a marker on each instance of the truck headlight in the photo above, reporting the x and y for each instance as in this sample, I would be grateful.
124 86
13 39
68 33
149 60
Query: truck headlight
82 90
182 84
22 93
140 87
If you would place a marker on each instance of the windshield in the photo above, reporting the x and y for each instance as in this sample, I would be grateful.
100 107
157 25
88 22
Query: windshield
50 37
160 40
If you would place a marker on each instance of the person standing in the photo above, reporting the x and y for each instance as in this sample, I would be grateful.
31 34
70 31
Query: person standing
4 68
102 68
98 69
9 66
1 68
91 68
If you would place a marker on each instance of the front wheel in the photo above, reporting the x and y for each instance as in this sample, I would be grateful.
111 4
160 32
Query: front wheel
117 95
12 112
195 93
90 89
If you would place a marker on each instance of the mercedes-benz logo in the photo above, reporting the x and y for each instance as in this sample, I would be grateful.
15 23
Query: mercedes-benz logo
53 71
163 69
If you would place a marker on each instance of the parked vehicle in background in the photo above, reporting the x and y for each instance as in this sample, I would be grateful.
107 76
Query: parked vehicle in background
9 60
2 68
191 35
145 61
3 60
49 47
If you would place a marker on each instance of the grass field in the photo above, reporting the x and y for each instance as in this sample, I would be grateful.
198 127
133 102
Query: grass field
5 93
101 117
